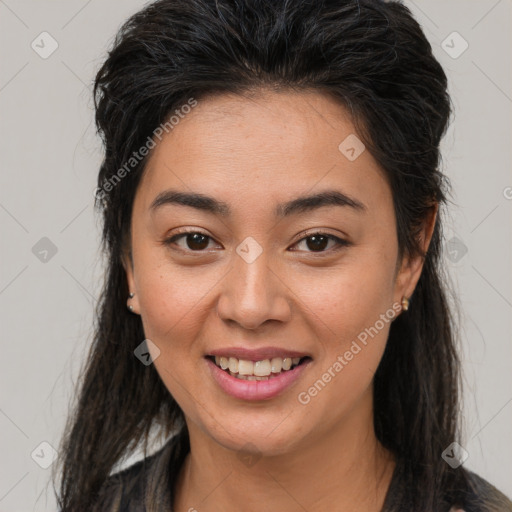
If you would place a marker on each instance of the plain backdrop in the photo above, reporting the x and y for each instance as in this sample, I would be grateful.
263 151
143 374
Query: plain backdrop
50 262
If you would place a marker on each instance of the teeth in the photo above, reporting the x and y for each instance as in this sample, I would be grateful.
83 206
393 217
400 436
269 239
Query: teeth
247 377
245 367
262 368
233 365
258 370
276 364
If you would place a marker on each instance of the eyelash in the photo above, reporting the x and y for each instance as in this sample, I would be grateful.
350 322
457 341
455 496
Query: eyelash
339 241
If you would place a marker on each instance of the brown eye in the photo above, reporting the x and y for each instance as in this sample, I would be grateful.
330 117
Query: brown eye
315 243
195 241
318 242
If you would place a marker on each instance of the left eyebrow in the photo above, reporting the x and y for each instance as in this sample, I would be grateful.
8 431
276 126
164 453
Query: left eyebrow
305 204
299 205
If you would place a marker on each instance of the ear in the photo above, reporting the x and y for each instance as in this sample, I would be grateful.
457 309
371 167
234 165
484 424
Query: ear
411 267
127 262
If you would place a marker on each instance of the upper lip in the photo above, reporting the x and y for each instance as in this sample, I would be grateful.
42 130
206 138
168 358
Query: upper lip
259 354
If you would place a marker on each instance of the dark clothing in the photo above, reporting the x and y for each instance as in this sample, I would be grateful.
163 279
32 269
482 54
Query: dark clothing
147 485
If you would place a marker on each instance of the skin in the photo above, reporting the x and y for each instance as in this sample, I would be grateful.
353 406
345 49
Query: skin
253 153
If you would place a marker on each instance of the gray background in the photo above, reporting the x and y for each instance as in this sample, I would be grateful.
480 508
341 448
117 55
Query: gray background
50 156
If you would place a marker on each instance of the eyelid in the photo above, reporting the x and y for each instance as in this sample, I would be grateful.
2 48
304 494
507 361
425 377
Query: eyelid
319 232
182 233
340 242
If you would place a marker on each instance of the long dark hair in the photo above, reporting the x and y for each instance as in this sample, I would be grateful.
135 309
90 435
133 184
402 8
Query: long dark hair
373 57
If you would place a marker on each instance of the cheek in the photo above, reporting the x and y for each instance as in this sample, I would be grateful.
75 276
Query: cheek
350 312
353 330
173 307
343 302
172 300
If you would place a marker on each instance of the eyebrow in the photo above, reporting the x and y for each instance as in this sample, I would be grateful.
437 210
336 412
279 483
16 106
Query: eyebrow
299 205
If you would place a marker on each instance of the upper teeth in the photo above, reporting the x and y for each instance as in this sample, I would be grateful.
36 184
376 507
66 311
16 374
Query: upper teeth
259 368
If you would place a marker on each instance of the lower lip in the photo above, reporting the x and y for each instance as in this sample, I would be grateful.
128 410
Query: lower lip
256 389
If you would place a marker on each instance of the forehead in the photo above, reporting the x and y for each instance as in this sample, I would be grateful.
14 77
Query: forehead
262 147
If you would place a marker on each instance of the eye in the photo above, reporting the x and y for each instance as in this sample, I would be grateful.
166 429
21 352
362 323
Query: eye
317 242
195 240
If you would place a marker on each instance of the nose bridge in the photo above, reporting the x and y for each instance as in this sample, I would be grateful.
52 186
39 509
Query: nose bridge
252 294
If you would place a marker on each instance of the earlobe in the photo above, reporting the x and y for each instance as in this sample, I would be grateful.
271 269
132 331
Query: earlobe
128 303
412 266
131 302
406 280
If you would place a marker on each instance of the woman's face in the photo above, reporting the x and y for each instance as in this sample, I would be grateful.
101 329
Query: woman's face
267 278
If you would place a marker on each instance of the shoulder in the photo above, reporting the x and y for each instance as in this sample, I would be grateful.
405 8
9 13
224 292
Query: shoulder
124 490
463 491
149 480
482 496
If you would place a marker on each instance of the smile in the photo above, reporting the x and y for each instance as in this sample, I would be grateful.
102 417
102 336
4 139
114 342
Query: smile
256 370
256 380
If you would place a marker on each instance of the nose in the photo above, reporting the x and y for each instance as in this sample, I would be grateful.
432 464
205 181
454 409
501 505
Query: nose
253 293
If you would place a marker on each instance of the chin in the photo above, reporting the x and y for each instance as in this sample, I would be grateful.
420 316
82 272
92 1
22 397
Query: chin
265 438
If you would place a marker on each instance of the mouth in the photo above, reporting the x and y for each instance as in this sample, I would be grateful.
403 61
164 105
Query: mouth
262 370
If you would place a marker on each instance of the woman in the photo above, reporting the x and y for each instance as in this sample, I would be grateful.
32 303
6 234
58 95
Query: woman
274 305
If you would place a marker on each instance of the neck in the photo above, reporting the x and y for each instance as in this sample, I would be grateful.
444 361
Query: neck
346 466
